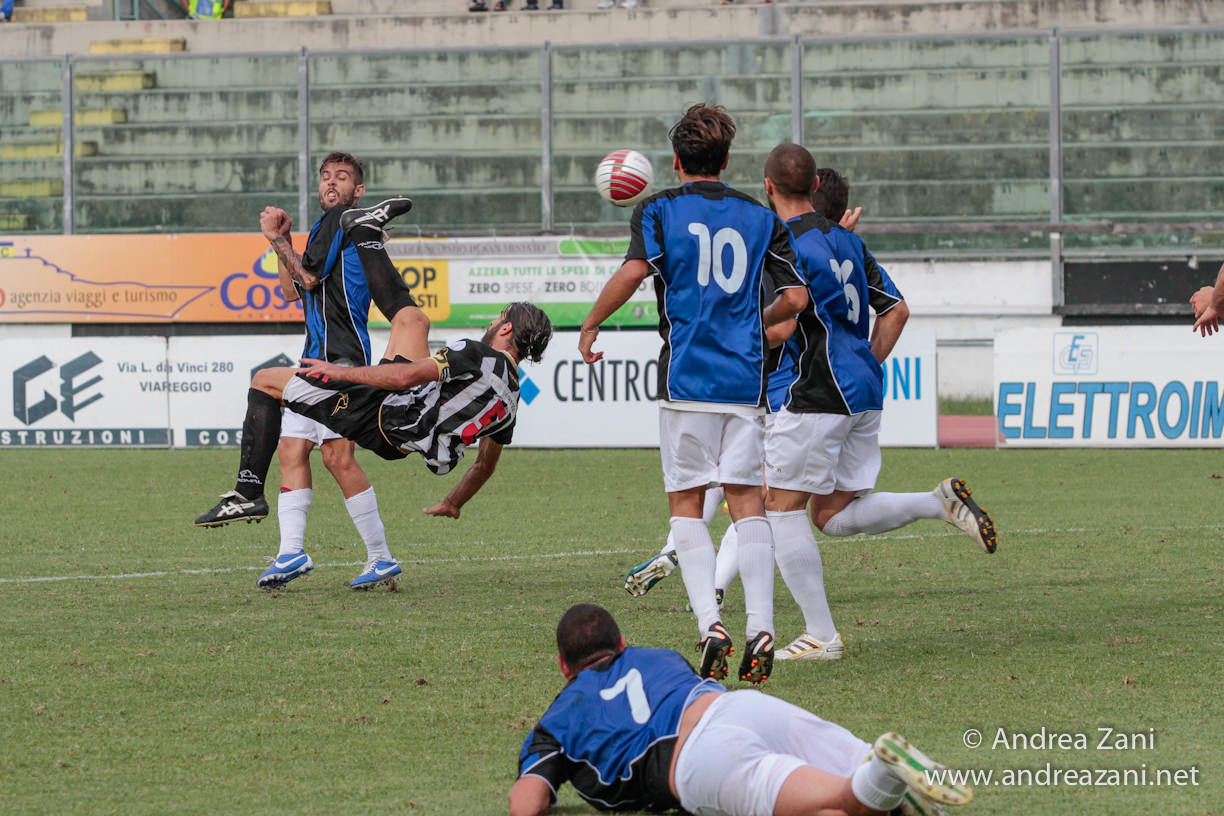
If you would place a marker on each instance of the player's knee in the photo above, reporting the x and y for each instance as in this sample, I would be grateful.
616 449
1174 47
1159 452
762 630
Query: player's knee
338 455
411 318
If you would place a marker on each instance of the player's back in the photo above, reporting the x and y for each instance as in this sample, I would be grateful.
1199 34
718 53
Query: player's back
837 372
709 245
615 725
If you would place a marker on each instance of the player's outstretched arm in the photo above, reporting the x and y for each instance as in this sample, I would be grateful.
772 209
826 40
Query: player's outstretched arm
390 377
887 331
529 796
615 294
479 473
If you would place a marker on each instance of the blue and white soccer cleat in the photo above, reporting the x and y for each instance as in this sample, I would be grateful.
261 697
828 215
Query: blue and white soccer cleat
284 569
376 573
648 573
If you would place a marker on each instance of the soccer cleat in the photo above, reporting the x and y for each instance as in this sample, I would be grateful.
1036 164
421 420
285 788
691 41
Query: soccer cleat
961 511
758 659
380 214
719 594
715 650
919 771
234 507
376 574
648 573
806 647
284 569
917 803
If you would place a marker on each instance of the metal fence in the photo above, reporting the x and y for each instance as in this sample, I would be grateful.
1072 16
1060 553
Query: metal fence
1015 144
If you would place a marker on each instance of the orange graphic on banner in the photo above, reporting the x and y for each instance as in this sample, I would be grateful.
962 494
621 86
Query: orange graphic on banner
142 279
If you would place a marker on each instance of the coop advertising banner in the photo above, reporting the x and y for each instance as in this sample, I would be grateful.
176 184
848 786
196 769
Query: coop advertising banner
1108 387
226 278
191 391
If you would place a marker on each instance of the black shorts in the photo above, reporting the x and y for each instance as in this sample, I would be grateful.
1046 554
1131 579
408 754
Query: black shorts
349 409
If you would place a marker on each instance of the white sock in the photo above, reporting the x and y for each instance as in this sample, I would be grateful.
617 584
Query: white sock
713 500
363 508
756 563
878 512
292 506
696 553
875 785
726 565
798 557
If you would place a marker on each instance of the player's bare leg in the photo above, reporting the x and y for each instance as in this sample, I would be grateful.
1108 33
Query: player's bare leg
409 334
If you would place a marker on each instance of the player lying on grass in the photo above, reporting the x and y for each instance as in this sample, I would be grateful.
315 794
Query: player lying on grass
637 729
436 407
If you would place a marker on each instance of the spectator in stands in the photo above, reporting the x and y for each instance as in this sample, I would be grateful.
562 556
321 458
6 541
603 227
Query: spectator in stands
6 9
529 5
625 4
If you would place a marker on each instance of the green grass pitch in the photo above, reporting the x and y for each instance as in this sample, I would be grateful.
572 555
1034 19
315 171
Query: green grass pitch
143 673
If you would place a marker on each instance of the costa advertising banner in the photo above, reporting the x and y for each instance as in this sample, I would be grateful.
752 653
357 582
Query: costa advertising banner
191 391
459 282
1138 386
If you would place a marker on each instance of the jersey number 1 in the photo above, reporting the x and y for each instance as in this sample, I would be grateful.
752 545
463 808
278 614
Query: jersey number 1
631 686
710 257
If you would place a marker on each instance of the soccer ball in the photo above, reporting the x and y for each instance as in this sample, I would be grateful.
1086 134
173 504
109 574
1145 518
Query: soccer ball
623 177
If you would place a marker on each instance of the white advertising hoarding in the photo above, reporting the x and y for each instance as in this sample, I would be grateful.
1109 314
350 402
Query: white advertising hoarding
1136 386
612 403
87 392
191 391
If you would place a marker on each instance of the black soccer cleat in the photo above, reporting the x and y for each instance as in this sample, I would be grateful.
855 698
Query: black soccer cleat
758 659
376 217
234 507
715 650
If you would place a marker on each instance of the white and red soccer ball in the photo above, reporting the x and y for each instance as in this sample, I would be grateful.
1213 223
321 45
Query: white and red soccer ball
623 177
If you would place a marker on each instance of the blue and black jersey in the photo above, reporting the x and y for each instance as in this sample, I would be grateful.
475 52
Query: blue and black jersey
711 247
837 373
612 731
338 309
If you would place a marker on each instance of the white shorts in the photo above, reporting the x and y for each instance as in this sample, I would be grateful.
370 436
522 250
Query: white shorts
296 426
702 448
820 453
745 746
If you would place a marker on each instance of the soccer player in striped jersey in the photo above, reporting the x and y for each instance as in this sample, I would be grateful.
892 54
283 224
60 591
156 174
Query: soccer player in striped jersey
724 271
638 729
466 394
822 452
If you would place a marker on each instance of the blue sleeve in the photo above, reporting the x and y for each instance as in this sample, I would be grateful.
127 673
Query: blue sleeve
325 245
645 234
542 756
882 292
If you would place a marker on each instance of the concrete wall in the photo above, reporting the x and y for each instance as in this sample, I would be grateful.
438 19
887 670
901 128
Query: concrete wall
393 24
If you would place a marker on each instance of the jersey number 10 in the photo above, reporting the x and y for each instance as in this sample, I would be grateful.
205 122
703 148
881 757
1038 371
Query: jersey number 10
710 257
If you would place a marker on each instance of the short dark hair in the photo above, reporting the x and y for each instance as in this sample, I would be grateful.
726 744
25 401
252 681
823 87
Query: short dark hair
586 632
340 157
791 169
702 139
833 195
532 329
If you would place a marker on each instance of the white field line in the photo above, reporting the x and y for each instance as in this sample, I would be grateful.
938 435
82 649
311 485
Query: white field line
580 553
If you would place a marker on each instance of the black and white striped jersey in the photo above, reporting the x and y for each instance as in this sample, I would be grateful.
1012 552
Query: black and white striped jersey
476 395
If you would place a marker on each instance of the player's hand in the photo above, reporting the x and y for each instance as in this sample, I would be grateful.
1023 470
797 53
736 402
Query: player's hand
586 339
1201 300
319 368
1208 322
850 219
443 508
275 223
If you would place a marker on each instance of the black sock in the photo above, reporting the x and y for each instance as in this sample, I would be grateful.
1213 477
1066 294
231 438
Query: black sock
260 436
